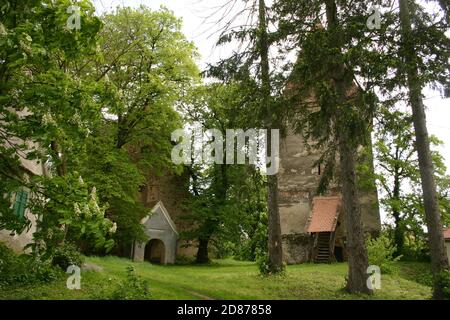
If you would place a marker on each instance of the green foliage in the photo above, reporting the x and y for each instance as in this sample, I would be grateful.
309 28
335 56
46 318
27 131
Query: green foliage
398 175
132 288
70 212
67 255
380 251
23 269
248 193
254 242
223 249
147 49
263 263
415 243
144 65
119 179
228 202
127 215
415 249
61 88
442 282
43 99
47 101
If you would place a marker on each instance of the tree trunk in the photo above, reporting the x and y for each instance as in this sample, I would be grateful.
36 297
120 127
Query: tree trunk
398 230
398 233
439 260
275 249
122 131
202 252
274 228
357 255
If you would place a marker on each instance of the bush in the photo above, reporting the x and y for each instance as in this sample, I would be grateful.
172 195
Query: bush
23 269
249 249
264 265
380 252
132 288
415 249
7 258
67 255
443 282
223 249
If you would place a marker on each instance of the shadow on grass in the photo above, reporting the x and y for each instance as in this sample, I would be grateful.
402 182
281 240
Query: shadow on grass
419 272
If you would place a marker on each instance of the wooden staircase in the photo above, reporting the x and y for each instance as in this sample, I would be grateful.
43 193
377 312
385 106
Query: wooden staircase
323 247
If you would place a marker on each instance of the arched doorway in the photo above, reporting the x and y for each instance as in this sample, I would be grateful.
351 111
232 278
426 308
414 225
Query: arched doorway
155 251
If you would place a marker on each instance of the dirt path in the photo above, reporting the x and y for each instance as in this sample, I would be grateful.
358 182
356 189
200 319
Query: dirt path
199 295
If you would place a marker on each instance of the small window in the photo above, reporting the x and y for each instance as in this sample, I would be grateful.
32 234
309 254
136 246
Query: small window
20 203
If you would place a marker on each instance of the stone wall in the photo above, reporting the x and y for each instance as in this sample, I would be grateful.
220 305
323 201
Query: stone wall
296 248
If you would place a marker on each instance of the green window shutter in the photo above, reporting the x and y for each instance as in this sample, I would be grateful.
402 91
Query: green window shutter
20 204
24 203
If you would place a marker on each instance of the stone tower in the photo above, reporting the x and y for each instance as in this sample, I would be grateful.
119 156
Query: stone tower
313 227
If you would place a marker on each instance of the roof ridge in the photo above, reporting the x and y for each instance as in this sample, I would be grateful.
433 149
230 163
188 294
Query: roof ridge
165 213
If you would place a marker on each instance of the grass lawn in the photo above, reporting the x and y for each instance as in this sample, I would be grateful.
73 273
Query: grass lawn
229 279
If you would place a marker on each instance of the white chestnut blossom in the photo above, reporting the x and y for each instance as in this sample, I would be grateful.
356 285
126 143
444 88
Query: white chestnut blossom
113 229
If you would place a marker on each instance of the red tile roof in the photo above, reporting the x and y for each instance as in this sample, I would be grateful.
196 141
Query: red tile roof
324 215
447 233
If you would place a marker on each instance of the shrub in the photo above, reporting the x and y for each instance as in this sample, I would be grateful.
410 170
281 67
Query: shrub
223 249
132 288
23 269
415 249
425 278
40 271
7 257
380 252
443 282
263 265
67 255
249 249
